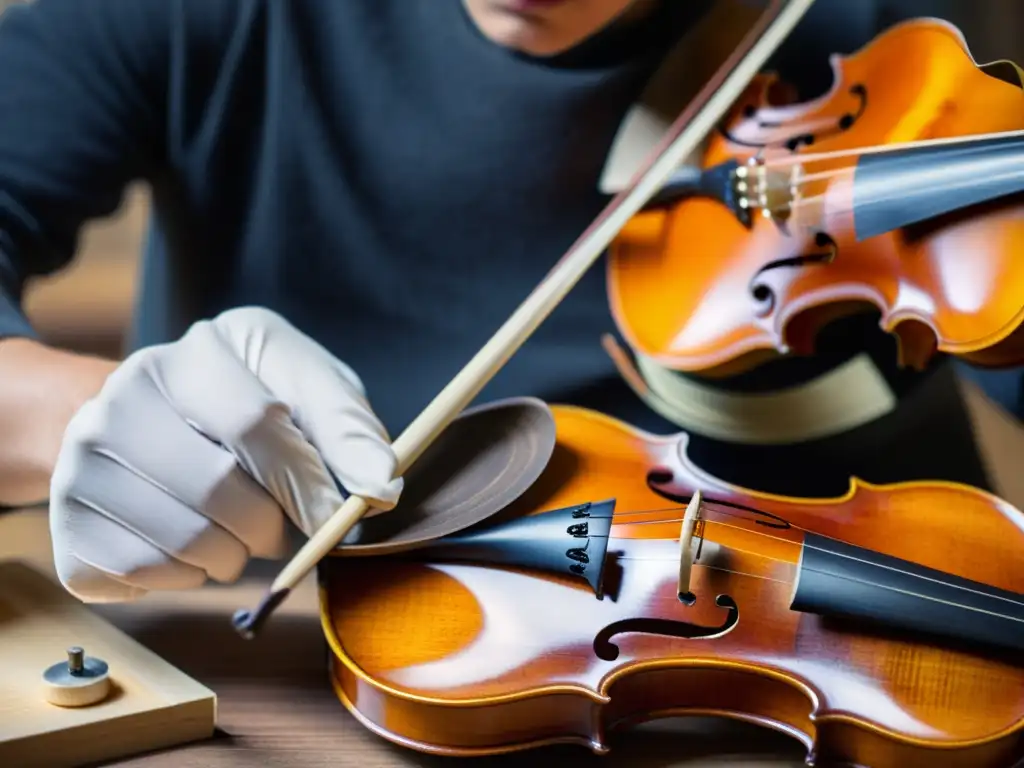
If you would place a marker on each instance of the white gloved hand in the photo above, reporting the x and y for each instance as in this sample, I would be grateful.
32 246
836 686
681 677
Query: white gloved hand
186 463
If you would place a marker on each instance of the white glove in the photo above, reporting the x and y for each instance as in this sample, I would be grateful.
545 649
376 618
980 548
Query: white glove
185 464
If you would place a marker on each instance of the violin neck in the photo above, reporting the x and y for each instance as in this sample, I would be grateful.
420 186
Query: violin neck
844 581
902 187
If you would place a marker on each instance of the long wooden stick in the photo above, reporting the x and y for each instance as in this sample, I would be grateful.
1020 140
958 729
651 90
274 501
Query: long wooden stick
685 135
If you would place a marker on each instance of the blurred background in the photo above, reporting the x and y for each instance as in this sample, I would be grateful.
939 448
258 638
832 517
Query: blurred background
87 307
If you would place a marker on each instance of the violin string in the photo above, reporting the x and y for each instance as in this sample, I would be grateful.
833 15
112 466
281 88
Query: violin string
1014 603
795 204
824 175
840 154
796 184
723 525
787 582
769 558
910 574
711 505
712 568
710 522
714 505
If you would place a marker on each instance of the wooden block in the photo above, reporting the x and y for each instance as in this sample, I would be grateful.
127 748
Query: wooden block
151 704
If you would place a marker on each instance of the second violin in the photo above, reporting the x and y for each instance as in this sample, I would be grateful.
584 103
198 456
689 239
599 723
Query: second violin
622 583
897 191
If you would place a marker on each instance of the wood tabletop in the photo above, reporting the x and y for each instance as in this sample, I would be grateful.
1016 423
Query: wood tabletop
276 707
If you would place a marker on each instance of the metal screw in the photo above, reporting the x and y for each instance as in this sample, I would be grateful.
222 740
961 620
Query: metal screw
76 660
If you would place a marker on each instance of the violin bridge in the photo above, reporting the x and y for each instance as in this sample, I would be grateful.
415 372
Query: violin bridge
774 193
686 547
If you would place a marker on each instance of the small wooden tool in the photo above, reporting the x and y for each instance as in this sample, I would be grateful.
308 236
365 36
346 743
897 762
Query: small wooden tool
75 690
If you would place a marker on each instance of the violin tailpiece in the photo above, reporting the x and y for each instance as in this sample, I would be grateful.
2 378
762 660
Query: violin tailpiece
571 541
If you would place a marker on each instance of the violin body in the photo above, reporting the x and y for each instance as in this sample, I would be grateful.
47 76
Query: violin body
462 658
702 285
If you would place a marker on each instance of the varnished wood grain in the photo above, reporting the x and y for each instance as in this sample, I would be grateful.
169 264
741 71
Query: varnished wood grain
682 280
150 704
276 708
87 306
463 659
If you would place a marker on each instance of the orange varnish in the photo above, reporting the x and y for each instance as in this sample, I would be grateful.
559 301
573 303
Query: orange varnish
681 279
461 659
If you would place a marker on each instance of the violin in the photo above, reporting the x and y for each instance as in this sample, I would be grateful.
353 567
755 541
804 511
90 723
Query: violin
897 191
884 628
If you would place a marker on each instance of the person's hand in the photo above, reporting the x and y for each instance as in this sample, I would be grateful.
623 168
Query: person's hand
187 462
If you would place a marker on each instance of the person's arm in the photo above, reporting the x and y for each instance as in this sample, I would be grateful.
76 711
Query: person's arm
83 88
40 390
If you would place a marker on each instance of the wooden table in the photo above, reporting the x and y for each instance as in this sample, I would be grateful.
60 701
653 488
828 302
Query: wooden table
276 707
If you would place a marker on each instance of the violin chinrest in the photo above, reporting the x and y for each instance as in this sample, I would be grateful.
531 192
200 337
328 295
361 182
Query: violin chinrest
486 459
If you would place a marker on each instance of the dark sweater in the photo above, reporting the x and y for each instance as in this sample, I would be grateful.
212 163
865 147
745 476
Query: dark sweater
374 170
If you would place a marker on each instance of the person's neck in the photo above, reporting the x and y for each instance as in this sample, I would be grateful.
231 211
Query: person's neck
639 33
637 12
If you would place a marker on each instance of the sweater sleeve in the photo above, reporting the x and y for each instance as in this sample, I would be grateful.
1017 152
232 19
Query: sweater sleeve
83 88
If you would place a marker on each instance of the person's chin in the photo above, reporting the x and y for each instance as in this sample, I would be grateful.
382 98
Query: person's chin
521 25
526 37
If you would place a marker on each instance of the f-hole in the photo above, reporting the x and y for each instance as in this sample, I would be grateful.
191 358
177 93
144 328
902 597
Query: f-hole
764 296
844 123
609 651
660 479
